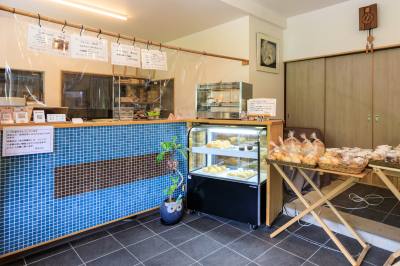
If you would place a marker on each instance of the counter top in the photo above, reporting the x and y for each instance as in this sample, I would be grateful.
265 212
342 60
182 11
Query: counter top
235 122
146 122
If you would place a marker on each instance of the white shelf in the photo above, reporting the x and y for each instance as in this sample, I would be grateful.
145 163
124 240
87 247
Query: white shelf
230 152
224 175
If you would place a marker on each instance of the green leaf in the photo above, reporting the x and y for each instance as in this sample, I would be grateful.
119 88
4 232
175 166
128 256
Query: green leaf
160 156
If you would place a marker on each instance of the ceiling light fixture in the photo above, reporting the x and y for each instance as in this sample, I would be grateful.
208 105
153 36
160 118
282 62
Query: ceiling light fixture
91 9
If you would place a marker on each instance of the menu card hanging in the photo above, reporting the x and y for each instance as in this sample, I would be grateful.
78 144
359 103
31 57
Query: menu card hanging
125 55
261 107
46 40
87 47
27 140
154 59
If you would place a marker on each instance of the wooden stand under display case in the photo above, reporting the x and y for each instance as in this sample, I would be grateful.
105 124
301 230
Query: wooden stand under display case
254 200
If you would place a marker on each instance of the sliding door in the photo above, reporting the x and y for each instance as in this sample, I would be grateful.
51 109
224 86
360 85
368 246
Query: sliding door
348 113
386 97
305 93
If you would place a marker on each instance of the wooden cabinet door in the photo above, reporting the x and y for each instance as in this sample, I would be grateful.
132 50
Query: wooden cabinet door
386 95
348 113
305 94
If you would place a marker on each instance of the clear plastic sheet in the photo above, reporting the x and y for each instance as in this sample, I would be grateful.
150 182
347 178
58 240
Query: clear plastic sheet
95 89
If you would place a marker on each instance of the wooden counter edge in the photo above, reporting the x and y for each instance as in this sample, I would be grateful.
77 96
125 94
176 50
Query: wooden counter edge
145 122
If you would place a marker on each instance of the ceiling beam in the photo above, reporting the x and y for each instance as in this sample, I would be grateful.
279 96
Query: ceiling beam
255 9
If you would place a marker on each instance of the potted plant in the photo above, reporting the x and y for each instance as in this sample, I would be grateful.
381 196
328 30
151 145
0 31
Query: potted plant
171 209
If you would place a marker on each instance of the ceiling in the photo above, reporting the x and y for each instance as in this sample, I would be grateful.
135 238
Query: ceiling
166 20
289 8
156 20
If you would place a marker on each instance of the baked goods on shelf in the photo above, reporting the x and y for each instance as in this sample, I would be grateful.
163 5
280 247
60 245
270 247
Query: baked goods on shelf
214 169
245 174
347 160
219 144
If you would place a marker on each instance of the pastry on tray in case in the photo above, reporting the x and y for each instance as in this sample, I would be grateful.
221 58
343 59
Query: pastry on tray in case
214 169
219 144
245 174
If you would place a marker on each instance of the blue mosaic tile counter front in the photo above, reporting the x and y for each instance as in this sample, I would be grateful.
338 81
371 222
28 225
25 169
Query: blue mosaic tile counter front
30 211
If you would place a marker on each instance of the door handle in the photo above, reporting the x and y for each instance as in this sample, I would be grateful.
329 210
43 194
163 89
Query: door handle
369 117
377 117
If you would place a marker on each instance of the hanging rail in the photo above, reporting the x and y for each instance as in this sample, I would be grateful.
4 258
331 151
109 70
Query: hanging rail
115 35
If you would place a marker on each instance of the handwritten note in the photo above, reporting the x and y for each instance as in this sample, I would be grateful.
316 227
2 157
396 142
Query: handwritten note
27 140
47 40
125 55
154 59
261 106
87 47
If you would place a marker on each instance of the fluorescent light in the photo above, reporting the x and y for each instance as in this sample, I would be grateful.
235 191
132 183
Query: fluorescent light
91 9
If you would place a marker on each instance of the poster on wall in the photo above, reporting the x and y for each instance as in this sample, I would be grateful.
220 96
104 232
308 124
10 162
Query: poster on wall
261 107
47 40
88 47
27 140
154 59
125 55
267 53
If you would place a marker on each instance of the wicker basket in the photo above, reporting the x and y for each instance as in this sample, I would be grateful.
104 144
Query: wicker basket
342 168
303 165
385 164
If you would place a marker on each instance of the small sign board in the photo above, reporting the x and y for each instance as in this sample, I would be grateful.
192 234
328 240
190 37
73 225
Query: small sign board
261 107
27 140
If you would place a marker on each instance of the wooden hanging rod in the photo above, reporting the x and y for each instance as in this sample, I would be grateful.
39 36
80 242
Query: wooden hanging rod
115 35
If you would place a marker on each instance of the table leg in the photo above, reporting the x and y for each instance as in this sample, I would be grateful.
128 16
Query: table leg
334 238
387 182
334 210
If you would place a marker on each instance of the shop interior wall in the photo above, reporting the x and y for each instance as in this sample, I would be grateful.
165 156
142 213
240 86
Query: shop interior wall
230 38
335 29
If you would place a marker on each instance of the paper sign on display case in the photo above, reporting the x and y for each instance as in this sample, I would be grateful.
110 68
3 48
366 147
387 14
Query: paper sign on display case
261 107
125 55
88 47
47 40
154 59
27 140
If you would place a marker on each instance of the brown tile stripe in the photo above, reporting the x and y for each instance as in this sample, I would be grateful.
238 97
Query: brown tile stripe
79 178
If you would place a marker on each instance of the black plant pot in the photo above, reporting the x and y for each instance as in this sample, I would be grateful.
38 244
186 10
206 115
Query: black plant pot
171 212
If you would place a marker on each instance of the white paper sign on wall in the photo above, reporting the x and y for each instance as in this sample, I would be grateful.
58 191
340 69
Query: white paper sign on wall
261 107
88 47
125 55
27 140
47 40
154 59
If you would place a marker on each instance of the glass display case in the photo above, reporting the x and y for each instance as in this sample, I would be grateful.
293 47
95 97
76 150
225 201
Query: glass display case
230 161
224 100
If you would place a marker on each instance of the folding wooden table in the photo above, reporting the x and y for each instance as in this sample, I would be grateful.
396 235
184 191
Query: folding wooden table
325 199
381 172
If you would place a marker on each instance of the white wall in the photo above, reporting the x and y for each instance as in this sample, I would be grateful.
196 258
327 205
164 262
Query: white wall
335 29
230 38
266 85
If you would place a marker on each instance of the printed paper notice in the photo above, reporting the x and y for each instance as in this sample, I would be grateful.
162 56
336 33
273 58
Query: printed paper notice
261 106
125 55
27 140
46 40
87 47
154 59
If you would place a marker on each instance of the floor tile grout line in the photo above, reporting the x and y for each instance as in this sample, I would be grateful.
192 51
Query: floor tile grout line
318 249
58 253
77 253
140 262
25 264
89 242
389 213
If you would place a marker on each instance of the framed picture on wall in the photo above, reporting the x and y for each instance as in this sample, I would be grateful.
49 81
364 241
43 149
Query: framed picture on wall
267 53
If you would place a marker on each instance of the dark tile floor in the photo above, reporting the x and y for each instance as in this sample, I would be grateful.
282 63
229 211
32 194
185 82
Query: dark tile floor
200 240
388 212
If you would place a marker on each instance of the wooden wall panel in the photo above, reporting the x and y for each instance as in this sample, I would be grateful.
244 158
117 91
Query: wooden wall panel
305 94
348 108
